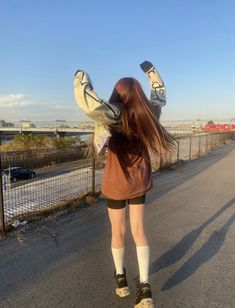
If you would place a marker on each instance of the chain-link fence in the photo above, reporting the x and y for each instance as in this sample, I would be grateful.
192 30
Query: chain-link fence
194 146
35 181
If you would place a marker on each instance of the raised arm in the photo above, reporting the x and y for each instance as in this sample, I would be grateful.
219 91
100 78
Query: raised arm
99 110
158 89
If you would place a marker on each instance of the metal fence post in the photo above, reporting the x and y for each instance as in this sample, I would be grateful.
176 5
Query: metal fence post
199 146
190 147
178 150
93 169
2 220
206 143
93 176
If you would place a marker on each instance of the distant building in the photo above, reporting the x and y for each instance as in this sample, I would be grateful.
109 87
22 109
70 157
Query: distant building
197 125
27 124
61 124
219 127
6 124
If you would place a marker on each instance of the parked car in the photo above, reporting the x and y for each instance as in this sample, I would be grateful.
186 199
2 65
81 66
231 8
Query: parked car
19 173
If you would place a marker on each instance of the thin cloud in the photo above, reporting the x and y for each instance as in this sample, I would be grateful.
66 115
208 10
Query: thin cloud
14 100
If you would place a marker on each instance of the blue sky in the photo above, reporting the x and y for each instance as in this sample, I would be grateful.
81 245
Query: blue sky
192 43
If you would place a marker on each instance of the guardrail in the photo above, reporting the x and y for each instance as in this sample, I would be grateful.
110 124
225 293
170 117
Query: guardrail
45 130
57 184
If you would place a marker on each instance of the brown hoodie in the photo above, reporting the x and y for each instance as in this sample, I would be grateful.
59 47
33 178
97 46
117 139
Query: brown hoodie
134 181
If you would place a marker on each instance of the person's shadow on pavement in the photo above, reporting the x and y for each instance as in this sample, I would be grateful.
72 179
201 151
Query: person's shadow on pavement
179 250
207 251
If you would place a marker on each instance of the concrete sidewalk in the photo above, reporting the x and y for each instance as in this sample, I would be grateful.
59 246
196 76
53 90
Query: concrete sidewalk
65 260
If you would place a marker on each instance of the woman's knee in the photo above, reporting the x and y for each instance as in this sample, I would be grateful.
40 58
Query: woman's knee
139 235
137 223
118 240
118 222
137 232
119 232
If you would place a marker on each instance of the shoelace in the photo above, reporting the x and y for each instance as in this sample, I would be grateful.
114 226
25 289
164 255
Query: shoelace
142 289
120 279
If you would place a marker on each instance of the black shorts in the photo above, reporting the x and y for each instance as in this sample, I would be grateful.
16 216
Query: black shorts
120 204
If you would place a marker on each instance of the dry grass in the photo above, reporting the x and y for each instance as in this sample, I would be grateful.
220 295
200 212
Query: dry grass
61 209
162 163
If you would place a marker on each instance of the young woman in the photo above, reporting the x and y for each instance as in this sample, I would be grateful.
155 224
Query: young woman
135 135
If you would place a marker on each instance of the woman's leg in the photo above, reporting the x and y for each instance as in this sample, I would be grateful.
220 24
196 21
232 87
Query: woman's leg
142 248
118 225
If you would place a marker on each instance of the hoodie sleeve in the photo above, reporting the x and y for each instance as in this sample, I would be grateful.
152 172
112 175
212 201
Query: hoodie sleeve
93 106
158 89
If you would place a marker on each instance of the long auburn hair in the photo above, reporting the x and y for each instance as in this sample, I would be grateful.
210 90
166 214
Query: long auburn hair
139 123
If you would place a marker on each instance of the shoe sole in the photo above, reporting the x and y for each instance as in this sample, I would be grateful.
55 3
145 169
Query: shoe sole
145 303
122 292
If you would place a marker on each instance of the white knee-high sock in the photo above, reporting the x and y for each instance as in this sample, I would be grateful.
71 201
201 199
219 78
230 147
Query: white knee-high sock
143 253
118 258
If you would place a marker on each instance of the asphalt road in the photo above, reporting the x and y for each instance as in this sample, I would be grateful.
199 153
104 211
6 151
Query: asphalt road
65 260
51 171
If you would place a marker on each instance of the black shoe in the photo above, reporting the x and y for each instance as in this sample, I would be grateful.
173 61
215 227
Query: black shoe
143 295
122 290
